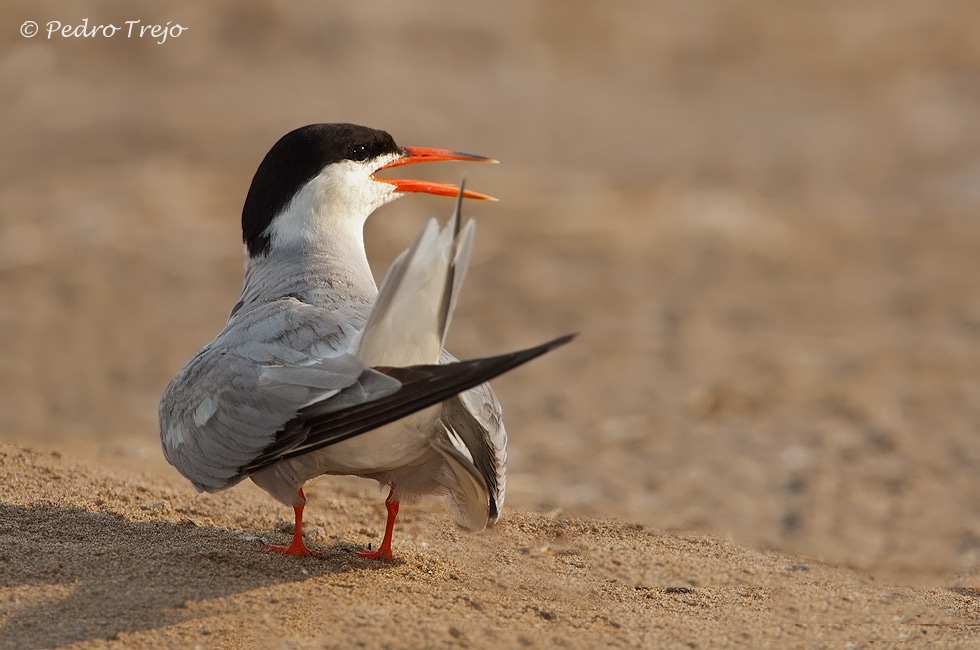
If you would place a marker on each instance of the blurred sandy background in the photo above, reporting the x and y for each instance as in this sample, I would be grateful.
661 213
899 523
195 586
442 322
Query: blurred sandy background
762 217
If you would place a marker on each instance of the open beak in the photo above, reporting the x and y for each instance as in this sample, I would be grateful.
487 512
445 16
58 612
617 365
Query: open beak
422 154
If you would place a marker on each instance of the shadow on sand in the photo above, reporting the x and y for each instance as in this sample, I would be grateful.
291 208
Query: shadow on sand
91 575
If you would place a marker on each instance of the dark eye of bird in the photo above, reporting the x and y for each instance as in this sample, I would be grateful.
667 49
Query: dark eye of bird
358 152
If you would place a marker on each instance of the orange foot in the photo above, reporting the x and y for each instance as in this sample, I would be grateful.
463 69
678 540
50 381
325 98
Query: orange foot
384 551
296 547
383 554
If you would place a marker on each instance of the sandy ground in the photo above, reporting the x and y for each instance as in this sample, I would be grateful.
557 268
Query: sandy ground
135 561
762 220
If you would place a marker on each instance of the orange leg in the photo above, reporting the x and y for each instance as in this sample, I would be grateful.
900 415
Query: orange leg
384 551
297 547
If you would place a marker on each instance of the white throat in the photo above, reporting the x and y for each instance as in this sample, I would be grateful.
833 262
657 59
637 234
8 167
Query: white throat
318 238
332 207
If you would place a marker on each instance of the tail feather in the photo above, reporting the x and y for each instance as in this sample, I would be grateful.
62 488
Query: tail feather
408 322
470 501
459 257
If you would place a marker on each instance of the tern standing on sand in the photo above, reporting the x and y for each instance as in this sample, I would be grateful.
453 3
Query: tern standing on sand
317 372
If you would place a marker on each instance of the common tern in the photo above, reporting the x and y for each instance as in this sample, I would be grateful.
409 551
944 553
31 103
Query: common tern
317 372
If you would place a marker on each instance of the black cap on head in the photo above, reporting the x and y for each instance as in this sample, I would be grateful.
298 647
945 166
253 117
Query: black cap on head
293 161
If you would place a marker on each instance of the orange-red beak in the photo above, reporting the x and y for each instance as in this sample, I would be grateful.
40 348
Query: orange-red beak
422 154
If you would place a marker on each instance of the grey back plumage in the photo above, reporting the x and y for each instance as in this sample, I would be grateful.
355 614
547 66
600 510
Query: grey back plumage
227 405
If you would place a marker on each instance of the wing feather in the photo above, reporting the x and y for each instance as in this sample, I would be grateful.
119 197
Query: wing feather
419 387
258 373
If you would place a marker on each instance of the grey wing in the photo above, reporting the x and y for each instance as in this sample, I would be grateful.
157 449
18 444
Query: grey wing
268 388
229 405
475 417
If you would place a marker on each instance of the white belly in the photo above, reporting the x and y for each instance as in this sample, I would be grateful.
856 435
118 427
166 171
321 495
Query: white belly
401 443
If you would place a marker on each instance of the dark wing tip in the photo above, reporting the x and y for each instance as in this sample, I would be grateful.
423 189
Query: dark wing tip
538 350
558 342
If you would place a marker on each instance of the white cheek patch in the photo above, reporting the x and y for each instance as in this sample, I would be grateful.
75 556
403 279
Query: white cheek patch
338 200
